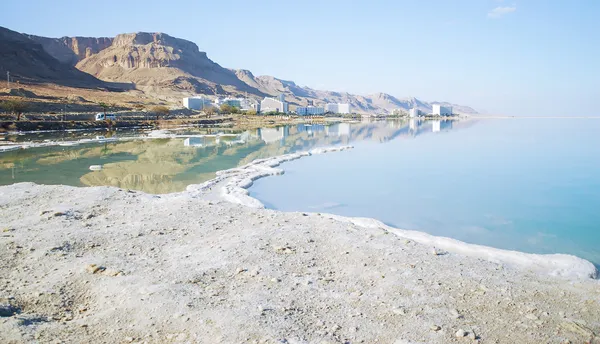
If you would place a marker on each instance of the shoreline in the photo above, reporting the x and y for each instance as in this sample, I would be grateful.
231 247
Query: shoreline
234 184
78 267
238 180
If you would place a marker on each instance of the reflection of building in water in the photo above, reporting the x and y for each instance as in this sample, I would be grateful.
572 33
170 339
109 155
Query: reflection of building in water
338 129
435 126
412 124
194 142
446 125
270 135
310 128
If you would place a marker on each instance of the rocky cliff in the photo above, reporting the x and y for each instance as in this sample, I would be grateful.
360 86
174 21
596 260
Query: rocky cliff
28 62
150 59
71 50
159 64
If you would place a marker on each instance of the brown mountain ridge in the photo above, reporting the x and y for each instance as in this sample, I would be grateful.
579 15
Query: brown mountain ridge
169 67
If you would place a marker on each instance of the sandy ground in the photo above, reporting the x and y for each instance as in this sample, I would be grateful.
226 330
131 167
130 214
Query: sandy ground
176 269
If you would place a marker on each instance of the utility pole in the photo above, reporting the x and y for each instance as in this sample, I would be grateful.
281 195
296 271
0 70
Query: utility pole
8 79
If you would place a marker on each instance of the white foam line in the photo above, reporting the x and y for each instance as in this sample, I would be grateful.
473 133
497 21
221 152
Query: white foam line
562 265
236 182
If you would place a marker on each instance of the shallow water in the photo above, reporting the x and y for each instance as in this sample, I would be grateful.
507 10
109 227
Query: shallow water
154 165
530 185
523 184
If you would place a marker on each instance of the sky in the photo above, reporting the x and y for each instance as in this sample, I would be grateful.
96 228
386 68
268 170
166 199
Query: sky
529 57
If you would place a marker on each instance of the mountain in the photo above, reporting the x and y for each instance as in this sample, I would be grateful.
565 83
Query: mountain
28 61
71 50
375 103
169 68
157 59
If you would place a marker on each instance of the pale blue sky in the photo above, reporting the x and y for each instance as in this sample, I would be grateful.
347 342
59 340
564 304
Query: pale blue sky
504 57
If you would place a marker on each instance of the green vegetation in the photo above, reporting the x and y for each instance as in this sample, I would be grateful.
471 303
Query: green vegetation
104 107
251 112
159 110
210 111
15 107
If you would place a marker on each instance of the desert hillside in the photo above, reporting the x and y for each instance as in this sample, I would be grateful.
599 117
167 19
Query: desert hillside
165 68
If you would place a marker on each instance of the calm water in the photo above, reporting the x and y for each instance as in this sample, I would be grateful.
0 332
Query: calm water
531 185
525 184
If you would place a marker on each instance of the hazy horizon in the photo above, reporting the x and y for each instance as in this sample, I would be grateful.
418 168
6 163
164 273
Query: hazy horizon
499 57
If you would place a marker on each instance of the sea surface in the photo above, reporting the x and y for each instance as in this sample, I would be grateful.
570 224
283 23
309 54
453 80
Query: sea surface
530 185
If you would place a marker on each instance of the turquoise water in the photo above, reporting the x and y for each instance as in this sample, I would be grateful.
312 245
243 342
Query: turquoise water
530 185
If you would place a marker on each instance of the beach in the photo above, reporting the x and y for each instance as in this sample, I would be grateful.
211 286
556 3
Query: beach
208 265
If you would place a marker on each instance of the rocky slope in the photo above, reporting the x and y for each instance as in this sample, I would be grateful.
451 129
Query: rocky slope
149 59
375 103
76 268
28 62
166 66
71 50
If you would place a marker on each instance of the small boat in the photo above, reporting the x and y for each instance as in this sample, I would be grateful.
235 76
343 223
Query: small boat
96 168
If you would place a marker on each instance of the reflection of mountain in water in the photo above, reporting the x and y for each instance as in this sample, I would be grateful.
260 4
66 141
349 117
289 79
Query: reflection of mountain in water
169 165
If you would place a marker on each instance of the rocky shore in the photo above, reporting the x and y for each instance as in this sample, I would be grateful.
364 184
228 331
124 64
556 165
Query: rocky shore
210 265
105 265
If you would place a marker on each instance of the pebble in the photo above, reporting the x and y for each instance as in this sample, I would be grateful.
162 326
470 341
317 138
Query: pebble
472 335
7 310
461 333
435 328
399 311
93 268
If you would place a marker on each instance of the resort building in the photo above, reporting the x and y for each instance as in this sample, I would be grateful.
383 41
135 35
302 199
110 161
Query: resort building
274 105
414 112
196 103
310 111
341 108
439 110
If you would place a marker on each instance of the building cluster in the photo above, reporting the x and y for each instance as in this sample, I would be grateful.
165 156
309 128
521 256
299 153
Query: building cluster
274 105
267 105
341 108
439 110
201 103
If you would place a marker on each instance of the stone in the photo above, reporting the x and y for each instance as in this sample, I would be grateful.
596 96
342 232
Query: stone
93 268
577 328
435 328
399 311
461 333
7 310
472 335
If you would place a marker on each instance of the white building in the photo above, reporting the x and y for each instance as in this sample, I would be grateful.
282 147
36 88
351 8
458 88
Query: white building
273 105
310 111
341 108
196 103
414 112
439 110
248 104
